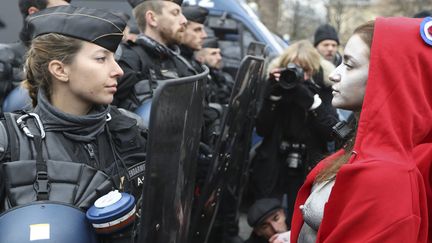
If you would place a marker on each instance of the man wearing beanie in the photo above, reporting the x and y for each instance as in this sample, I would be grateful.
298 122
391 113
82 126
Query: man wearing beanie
326 41
267 218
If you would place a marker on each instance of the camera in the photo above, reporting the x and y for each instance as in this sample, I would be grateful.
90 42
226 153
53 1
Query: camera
294 153
291 76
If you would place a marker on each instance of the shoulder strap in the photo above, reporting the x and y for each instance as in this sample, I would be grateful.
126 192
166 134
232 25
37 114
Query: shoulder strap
146 63
41 185
14 146
4 140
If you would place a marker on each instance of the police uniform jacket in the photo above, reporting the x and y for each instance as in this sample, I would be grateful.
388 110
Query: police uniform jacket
144 63
106 143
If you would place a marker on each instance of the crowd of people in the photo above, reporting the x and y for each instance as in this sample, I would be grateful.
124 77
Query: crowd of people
345 154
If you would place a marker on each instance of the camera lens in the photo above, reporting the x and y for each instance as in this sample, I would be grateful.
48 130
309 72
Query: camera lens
293 160
291 76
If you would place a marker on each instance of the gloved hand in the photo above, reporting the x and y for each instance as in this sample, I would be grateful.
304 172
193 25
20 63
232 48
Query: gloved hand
204 164
273 89
303 95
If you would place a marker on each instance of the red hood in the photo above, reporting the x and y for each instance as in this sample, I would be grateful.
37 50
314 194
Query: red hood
397 113
380 196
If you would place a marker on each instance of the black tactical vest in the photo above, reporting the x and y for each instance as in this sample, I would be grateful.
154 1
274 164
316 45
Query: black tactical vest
49 166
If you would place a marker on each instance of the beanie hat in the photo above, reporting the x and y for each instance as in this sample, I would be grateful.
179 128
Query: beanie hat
325 32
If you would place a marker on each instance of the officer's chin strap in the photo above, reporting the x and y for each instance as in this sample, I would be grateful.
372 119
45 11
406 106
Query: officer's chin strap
41 184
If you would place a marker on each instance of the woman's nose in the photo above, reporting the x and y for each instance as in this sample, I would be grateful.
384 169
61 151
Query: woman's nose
335 75
117 70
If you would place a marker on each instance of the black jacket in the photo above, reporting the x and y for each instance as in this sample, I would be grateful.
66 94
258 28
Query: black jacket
255 239
284 124
144 63
101 163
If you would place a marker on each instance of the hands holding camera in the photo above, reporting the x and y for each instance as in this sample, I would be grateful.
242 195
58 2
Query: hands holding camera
288 84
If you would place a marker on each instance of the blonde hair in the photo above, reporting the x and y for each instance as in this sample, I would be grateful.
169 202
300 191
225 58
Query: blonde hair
43 50
302 53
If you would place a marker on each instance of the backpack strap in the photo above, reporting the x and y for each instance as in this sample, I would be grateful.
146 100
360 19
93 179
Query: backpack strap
4 140
41 184
12 139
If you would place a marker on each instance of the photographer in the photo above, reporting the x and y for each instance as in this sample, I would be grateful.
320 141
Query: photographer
295 121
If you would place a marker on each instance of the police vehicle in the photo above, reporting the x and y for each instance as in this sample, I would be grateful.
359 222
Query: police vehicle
232 21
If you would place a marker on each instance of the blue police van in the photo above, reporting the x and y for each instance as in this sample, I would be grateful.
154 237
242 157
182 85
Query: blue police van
232 21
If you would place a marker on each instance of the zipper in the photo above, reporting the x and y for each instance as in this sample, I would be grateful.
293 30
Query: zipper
90 150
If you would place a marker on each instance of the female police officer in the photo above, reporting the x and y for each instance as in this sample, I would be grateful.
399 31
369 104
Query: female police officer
73 147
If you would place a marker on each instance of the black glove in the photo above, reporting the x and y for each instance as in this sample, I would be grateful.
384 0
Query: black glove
273 88
204 164
302 94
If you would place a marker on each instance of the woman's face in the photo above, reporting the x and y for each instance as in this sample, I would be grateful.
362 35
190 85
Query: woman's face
350 77
93 75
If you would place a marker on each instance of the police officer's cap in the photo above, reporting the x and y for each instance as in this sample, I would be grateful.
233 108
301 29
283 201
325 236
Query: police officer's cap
211 42
135 3
195 13
100 27
261 209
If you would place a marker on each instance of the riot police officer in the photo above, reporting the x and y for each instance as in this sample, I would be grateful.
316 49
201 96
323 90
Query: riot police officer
12 55
154 55
221 83
72 147
195 33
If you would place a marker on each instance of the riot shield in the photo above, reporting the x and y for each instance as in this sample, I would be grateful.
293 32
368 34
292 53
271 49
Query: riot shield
172 149
230 161
258 49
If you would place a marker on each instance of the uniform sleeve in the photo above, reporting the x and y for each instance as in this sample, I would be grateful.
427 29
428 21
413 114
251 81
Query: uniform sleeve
375 202
131 65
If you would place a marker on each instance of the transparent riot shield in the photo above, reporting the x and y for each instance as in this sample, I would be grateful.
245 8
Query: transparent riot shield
172 149
230 161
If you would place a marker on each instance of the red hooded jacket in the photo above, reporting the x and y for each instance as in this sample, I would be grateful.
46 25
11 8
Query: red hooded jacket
379 195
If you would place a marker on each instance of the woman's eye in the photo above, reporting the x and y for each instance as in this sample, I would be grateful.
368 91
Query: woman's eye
101 59
349 66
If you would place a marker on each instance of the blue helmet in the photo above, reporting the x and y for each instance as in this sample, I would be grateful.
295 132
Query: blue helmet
47 222
17 99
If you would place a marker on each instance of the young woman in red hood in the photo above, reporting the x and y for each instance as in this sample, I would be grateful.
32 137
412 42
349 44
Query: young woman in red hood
372 190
